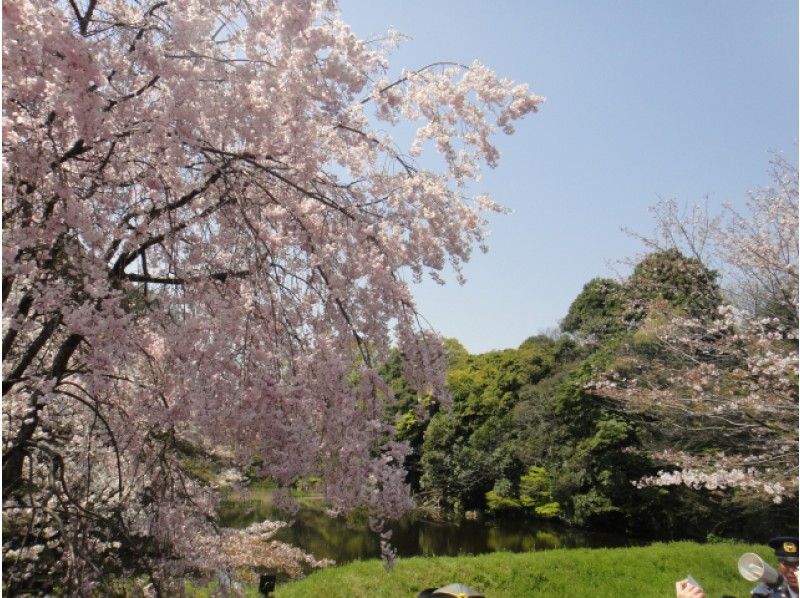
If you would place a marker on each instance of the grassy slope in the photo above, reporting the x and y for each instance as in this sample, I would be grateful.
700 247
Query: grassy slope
612 573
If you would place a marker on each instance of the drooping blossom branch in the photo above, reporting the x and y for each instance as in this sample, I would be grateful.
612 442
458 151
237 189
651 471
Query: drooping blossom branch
206 229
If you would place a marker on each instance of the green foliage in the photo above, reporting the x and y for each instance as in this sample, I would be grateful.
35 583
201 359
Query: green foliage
668 277
410 413
591 505
593 468
196 589
468 448
459 472
456 353
526 434
548 510
663 280
534 495
536 492
598 310
497 503
523 435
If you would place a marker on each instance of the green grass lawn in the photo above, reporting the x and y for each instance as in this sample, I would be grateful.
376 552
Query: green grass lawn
606 572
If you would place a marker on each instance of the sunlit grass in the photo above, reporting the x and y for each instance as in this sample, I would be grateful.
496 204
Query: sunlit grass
600 573
206 590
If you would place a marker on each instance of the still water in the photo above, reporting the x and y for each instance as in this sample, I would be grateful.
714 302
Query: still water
347 540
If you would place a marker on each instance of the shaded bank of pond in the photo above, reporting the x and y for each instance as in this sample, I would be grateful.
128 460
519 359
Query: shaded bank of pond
346 540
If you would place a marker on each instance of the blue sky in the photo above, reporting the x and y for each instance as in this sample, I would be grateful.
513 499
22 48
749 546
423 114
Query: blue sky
645 99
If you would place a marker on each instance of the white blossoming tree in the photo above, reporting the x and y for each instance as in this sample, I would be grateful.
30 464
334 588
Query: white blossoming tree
206 223
726 380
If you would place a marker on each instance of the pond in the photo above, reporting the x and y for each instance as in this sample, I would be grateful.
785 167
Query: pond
345 540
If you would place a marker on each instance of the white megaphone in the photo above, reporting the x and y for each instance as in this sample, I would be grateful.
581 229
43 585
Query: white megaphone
753 568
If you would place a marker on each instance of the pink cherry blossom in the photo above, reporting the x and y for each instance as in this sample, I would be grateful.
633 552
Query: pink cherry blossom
730 378
207 228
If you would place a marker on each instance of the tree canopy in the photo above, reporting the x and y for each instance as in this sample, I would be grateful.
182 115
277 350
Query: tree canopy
206 225
668 406
720 373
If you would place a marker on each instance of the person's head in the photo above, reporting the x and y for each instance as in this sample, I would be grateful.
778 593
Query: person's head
789 572
785 548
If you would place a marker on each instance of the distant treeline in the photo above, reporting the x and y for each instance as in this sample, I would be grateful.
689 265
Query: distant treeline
530 433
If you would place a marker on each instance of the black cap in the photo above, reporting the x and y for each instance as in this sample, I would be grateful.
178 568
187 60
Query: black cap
785 548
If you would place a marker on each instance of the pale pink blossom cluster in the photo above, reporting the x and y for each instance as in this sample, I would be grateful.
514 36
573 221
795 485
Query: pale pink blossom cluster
718 471
242 553
715 382
206 225
731 378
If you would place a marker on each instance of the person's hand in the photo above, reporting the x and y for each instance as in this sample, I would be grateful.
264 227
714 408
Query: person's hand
684 589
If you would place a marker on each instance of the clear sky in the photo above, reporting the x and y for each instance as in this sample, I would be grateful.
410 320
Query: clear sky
645 99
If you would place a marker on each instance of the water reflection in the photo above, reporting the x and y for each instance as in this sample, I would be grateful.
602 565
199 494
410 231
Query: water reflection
346 540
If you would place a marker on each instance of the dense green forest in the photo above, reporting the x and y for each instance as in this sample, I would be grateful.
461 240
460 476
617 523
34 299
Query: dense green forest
530 433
